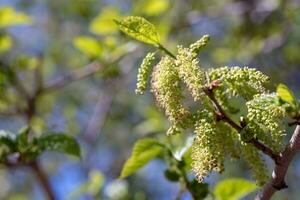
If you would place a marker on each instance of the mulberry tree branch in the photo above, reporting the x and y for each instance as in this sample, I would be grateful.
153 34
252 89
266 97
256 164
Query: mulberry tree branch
277 182
224 117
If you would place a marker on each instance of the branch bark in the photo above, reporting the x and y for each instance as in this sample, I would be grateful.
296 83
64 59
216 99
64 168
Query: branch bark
277 182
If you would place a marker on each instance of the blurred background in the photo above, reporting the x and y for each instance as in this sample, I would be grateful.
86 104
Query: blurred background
89 67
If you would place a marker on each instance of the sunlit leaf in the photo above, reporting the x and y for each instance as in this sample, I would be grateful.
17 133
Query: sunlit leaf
233 189
153 7
88 46
143 151
285 94
59 142
103 23
140 29
10 17
5 43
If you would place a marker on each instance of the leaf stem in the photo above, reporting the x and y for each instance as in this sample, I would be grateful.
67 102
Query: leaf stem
161 47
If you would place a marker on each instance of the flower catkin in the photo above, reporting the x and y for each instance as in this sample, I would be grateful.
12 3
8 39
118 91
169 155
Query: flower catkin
264 110
143 73
165 85
207 150
198 45
190 72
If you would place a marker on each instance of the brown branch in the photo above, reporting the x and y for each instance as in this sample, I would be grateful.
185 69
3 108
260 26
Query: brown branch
79 74
221 114
42 177
277 182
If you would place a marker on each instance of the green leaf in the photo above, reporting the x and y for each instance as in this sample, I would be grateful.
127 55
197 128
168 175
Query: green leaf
152 7
5 43
8 139
233 189
199 190
88 46
103 23
59 142
10 17
285 94
144 151
140 29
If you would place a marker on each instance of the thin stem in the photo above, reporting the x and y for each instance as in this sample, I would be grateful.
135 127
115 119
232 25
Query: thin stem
161 47
42 177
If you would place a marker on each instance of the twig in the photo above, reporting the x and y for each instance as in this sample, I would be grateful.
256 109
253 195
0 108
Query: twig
76 75
277 182
224 117
42 177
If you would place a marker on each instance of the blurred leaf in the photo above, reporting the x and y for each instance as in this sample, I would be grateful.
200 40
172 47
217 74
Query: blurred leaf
172 175
285 94
233 189
5 43
88 46
92 186
152 7
22 138
199 190
103 23
140 29
144 151
10 17
59 142
8 139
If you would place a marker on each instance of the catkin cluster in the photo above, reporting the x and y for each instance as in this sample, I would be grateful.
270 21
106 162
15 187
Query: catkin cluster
215 139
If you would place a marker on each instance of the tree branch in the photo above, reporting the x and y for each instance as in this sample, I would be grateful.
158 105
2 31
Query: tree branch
277 182
224 117
79 74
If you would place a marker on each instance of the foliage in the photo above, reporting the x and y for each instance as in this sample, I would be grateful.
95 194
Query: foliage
216 134
235 188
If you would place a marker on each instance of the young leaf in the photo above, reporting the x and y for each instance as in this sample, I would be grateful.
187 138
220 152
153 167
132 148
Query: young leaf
285 94
59 142
140 29
10 17
233 189
144 151
88 46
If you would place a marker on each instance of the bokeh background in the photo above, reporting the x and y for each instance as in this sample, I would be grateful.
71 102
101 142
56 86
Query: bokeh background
62 37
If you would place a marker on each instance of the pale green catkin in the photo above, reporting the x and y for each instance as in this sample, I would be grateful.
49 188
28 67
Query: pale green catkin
198 45
165 85
143 73
264 110
190 72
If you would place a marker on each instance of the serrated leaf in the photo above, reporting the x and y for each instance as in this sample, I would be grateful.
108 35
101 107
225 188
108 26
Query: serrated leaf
59 142
103 23
143 151
285 94
233 189
140 29
88 46
10 17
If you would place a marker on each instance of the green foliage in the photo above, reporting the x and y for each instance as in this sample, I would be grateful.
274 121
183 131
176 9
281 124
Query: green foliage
103 23
5 43
233 189
88 46
152 7
215 137
285 94
27 148
140 29
59 142
10 17
143 151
